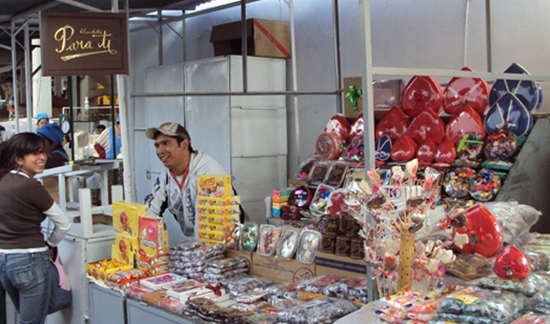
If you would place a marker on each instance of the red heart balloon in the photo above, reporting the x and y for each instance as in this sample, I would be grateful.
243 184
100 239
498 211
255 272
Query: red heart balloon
338 125
426 151
356 128
421 92
427 125
394 124
462 92
511 263
467 121
404 149
445 153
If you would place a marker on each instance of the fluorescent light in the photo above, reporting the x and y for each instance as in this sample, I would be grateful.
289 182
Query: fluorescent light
212 4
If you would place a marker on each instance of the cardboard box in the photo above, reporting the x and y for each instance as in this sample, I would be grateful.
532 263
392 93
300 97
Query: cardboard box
242 254
326 263
126 216
281 271
265 38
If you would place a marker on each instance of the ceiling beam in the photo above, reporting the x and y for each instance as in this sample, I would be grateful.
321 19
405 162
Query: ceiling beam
80 5
34 9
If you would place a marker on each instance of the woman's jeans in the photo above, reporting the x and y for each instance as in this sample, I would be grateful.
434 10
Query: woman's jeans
26 279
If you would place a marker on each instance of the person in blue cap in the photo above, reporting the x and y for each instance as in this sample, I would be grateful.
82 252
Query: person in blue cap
104 143
54 150
42 119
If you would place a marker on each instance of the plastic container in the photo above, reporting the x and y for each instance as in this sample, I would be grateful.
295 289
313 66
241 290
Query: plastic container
269 238
305 167
309 244
320 200
288 243
318 174
336 174
249 237
162 281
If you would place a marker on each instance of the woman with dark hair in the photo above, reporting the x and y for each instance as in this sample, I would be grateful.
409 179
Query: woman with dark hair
25 204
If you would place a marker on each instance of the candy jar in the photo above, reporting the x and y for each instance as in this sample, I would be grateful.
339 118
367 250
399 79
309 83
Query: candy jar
308 246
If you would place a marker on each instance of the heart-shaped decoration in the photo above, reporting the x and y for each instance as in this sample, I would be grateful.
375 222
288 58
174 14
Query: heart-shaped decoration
445 153
357 128
394 124
427 125
465 122
511 263
483 230
404 149
426 151
338 125
421 92
509 113
526 91
383 147
462 92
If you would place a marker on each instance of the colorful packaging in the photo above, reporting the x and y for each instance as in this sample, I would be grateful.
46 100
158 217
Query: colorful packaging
162 281
126 216
219 202
124 248
122 279
99 270
214 186
153 237
124 257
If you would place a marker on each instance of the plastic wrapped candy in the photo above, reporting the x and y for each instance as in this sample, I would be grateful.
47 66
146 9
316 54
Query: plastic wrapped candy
288 243
356 128
354 289
457 182
320 200
329 146
232 241
515 219
305 167
500 146
269 238
540 302
336 174
318 284
249 237
485 185
241 285
532 318
528 287
308 246
318 174
469 147
322 310
496 306
356 150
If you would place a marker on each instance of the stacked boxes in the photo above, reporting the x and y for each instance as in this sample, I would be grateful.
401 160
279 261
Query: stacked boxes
218 210
126 223
279 198
153 249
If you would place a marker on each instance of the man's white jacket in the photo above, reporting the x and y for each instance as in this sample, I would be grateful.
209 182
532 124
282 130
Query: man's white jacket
166 193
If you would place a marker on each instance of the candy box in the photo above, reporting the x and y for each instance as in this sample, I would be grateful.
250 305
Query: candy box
137 291
175 290
162 281
212 236
126 257
99 270
126 215
122 279
153 237
219 202
185 295
214 186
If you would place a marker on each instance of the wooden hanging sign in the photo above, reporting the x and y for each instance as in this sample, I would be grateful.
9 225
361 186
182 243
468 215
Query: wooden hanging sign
74 43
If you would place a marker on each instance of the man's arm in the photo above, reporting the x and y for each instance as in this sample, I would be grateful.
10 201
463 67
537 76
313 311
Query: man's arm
156 201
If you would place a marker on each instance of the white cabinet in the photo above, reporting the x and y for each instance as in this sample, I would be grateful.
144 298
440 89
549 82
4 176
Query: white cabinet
247 135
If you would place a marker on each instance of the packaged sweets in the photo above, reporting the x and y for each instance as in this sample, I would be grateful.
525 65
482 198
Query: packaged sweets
318 284
162 281
532 318
288 243
485 185
317 174
251 297
457 182
232 241
249 237
355 289
305 167
322 310
214 186
540 302
240 285
308 246
269 237
528 287
336 174
320 200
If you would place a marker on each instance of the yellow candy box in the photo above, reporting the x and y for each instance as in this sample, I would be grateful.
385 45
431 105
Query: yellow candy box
126 217
214 186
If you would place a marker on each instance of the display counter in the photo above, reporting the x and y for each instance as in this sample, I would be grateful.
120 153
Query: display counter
138 312
107 306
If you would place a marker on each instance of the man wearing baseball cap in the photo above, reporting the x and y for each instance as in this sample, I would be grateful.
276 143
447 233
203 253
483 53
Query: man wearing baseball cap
176 187
54 136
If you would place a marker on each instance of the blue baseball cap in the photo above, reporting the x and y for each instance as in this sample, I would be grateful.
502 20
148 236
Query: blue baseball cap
117 119
41 116
52 132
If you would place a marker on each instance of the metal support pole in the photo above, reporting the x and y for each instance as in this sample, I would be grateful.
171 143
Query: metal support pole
294 81
466 18
70 97
337 57
113 118
160 43
368 112
15 86
244 45
489 30
184 35
28 77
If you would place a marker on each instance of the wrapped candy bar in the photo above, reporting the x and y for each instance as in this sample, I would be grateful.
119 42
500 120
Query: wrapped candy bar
241 285
354 289
528 287
318 284
136 291
251 297
323 310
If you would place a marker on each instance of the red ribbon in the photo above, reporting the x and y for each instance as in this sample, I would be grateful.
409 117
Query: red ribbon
217 289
